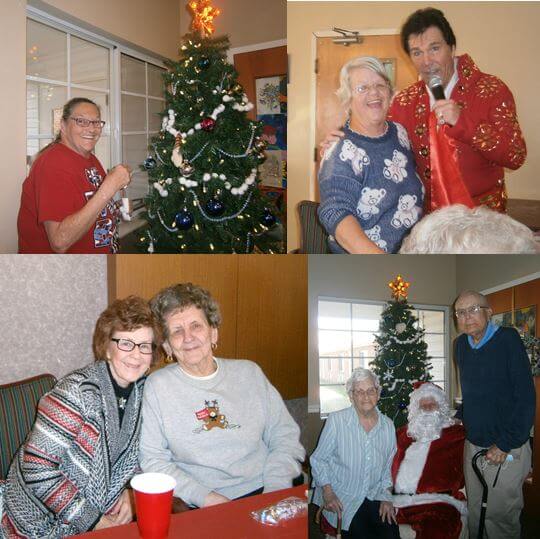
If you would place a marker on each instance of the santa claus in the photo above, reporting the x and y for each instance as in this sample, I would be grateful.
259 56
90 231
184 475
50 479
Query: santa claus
428 467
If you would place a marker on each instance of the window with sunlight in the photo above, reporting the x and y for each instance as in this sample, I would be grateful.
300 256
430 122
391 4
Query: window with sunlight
346 331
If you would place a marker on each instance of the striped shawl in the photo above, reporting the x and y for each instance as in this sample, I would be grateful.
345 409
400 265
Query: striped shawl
76 460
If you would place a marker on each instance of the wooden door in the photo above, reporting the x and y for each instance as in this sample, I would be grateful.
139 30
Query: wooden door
331 57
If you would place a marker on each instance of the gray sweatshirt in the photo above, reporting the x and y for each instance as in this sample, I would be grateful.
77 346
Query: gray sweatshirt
231 434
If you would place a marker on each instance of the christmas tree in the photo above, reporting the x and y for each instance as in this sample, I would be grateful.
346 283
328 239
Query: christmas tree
401 354
203 173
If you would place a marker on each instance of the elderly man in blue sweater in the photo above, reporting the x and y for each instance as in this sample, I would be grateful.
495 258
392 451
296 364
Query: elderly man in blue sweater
497 412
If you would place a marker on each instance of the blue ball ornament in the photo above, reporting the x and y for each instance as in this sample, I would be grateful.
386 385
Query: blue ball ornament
184 220
402 405
215 207
268 218
391 362
149 163
203 63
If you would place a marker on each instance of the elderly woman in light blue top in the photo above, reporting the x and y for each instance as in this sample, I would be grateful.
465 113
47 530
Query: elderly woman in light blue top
351 465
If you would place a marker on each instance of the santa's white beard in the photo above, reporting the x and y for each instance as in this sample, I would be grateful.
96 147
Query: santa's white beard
426 426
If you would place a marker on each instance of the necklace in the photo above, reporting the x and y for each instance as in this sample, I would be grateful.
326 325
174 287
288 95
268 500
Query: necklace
348 125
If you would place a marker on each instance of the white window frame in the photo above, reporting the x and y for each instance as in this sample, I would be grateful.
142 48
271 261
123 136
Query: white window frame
417 306
113 130
118 120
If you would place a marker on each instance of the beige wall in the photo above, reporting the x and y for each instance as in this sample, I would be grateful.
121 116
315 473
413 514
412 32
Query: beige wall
502 40
13 114
482 272
247 22
50 307
151 24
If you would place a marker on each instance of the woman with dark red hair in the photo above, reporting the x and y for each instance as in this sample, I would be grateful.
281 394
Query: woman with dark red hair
71 473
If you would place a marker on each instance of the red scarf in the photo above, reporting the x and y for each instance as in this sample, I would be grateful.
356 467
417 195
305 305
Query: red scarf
447 185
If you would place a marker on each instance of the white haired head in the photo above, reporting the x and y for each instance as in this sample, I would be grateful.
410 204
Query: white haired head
457 229
344 93
425 425
358 375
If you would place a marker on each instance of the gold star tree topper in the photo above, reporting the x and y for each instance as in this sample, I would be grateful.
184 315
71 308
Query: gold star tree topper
399 288
203 15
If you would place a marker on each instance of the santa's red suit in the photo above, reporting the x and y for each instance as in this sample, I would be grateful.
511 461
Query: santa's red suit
486 138
430 476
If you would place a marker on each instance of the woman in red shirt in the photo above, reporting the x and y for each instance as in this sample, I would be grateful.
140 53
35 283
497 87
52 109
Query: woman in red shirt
67 201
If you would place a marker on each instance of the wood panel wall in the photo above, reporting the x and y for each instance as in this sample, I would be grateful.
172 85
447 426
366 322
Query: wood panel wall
525 295
263 300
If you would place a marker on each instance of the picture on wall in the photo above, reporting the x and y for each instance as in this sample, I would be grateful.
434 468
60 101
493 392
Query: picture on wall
524 320
271 95
271 103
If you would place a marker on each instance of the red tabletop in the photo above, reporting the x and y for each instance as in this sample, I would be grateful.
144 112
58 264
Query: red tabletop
230 520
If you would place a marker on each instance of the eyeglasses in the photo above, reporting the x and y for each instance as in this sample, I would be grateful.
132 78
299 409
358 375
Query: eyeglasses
474 309
127 346
371 392
365 88
85 122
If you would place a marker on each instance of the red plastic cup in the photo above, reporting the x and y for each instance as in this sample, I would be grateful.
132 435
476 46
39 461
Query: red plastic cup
153 498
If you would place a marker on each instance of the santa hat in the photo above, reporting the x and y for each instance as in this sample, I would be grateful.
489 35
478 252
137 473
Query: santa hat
424 389
419 383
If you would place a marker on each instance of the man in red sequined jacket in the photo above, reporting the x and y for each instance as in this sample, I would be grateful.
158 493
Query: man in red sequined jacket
477 117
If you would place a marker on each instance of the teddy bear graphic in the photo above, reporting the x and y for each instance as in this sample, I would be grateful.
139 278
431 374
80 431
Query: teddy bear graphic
211 418
374 234
357 156
402 136
395 169
407 213
369 200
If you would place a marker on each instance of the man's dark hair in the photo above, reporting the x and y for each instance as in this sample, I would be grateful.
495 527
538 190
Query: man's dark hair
421 20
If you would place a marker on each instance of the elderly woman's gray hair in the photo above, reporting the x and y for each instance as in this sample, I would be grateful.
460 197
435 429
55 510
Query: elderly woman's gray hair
180 297
344 92
359 375
457 229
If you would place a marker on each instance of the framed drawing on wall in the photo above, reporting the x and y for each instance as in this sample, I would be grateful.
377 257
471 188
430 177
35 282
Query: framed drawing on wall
524 320
271 107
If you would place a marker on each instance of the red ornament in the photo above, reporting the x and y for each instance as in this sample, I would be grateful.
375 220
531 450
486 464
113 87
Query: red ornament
208 124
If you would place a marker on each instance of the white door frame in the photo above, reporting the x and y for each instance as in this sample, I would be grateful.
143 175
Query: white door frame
510 284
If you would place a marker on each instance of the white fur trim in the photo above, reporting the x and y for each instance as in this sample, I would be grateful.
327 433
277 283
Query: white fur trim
407 500
411 467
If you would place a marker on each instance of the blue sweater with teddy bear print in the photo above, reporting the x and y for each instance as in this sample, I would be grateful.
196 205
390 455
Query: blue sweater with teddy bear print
374 180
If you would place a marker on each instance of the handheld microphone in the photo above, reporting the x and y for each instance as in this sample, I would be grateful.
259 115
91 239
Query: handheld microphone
436 87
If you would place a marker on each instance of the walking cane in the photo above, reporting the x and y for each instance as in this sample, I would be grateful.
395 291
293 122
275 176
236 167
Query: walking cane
478 473
318 521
